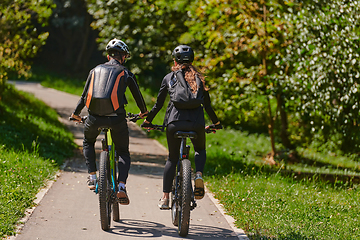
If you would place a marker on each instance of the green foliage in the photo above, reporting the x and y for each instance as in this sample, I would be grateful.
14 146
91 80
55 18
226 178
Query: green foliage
234 39
323 84
300 53
20 37
71 47
149 28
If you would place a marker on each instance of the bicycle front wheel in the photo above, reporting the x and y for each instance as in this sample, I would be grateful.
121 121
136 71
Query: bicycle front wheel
185 199
104 191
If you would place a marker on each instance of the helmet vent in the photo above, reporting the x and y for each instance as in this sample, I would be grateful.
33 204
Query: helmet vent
183 54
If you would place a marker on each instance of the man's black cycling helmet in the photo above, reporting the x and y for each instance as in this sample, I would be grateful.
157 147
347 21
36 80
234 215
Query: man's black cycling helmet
183 54
119 46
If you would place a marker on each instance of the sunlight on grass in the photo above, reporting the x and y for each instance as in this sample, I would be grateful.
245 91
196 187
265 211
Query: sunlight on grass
270 205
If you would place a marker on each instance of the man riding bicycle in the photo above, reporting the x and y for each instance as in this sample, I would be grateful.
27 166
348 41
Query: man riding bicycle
183 119
104 96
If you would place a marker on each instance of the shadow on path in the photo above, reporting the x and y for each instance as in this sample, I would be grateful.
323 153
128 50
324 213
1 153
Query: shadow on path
147 229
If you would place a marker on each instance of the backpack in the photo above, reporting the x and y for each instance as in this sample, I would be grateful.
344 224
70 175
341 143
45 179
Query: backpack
103 97
180 92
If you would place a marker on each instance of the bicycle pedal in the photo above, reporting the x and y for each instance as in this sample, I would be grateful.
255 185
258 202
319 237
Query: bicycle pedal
193 205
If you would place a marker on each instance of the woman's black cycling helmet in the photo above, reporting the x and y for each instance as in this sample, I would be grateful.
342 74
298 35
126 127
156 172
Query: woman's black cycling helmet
183 54
119 46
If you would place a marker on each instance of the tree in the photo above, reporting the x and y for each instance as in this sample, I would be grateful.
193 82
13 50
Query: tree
240 41
71 46
324 64
150 29
20 40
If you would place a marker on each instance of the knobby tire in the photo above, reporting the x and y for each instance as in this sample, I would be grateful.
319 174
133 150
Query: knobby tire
116 212
104 192
174 205
184 211
116 205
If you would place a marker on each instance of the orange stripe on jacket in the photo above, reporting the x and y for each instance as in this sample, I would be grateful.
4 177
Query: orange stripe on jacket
90 91
114 96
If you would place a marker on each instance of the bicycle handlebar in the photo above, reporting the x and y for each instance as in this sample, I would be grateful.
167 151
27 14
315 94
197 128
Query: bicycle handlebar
162 127
210 130
82 119
158 127
132 117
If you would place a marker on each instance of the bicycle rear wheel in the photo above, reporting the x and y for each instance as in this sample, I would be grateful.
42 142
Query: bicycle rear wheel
174 205
116 207
104 191
185 199
116 211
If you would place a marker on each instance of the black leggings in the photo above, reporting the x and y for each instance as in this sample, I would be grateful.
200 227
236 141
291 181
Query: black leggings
119 135
174 149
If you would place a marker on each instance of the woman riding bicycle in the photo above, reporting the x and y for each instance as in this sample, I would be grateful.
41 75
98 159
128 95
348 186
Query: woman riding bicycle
183 119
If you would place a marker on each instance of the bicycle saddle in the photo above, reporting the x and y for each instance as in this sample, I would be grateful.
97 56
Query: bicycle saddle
185 134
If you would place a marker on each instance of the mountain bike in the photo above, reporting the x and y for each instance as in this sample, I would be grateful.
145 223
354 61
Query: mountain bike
107 184
182 194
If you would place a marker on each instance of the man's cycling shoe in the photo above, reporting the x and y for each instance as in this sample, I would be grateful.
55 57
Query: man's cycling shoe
164 203
91 183
199 191
122 196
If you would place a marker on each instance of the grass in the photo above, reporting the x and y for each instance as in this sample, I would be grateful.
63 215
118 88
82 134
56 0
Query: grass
270 206
271 203
22 174
278 202
33 144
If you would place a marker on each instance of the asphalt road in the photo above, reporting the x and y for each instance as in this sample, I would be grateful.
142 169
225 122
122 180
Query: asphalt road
68 210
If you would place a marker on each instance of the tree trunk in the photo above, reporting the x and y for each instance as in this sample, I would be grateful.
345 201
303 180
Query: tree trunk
81 61
271 129
284 124
271 120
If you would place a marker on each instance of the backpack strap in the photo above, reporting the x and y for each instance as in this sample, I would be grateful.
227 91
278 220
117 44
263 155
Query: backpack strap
199 83
90 91
180 77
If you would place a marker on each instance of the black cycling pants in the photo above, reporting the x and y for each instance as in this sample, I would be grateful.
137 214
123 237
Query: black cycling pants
174 149
119 135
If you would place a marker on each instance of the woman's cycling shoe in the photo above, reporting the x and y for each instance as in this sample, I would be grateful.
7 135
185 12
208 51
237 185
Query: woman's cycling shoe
164 203
91 183
199 191
122 196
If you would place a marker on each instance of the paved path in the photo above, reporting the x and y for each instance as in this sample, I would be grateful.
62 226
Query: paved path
68 210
